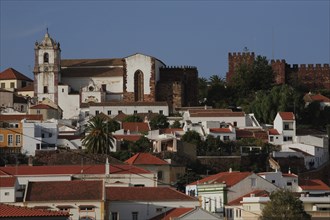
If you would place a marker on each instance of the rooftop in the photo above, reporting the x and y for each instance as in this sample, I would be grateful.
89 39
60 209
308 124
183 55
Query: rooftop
145 159
11 73
146 194
288 116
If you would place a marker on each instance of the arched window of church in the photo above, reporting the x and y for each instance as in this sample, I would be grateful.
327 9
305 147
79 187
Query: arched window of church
46 57
138 86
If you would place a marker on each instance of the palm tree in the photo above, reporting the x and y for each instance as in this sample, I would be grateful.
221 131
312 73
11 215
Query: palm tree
98 139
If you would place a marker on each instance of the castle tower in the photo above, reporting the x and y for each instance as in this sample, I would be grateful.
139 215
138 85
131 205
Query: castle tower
235 60
47 68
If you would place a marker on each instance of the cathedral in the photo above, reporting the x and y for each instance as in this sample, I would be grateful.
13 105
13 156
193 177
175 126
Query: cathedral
136 80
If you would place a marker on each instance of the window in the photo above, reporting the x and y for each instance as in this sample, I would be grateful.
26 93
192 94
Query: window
135 215
97 112
3 85
235 123
46 58
104 87
45 89
64 209
273 181
135 111
109 112
289 183
86 208
18 139
43 135
12 85
120 111
287 138
114 216
226 138
138 86
271 138
149 111
1 137
50 135
10 139
160 175
38 146
62 90
161 112
159 209
6 193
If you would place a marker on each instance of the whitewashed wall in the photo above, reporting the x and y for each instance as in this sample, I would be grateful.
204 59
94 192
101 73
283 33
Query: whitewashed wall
138 62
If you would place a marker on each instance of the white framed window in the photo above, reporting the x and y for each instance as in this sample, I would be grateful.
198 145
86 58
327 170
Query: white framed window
114 216
135 215
18 139
10 139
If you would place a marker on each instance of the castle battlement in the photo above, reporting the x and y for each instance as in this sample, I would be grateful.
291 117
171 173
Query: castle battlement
317 66
179 67
241 54
278 61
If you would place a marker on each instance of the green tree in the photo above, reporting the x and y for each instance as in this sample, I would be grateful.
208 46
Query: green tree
133 118
159 121
284 205
202 89
176 124
192 137
98 138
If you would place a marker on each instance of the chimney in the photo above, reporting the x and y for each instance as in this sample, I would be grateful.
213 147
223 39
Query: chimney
107 167
230 170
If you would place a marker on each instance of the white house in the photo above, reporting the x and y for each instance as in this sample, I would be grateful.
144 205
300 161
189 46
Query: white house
144 202
39 136
282 180
8 189
285 124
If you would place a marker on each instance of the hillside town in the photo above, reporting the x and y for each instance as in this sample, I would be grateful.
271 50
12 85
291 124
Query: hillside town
135 138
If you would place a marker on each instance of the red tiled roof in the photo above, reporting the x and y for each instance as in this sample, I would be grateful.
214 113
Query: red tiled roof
170 130
172 214
136 126
130 137
41 106
145 159
229 178
313 184
120 117
244 134
11 73
64 190
26 88
220 130
209 110
287 116
11 211
71 169
7 181
289 175
257 193
20 117
146 194
273 132
320 98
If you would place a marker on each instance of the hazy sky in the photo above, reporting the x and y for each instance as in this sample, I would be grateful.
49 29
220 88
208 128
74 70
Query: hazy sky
194 33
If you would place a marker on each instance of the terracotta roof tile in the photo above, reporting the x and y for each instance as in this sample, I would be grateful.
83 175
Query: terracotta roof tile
256 193
41 106
91 62
64 190
145 159
20 117
26 88
289 116
71 169
230 178
220 130
313 184
172 214
244 134
318 97
131 137
8 181
11 211
136 127
146 194
209 110
11 73
170 130
273 132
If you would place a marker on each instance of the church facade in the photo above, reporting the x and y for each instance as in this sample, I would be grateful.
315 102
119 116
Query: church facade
73 84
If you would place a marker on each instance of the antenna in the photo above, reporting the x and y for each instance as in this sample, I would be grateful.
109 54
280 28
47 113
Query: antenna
273 42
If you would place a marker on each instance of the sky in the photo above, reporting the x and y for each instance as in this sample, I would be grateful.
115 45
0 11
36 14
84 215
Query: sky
179 33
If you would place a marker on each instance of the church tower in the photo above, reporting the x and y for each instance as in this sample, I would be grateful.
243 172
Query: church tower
47 69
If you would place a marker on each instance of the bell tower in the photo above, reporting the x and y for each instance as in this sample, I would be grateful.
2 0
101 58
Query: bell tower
47 68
